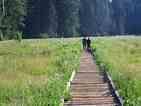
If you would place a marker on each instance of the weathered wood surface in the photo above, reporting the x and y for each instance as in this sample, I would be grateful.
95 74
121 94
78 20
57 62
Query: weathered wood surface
89 86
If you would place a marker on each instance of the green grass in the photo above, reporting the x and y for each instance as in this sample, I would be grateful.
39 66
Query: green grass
35 72
121 57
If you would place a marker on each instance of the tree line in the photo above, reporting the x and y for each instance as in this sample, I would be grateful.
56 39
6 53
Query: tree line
64 18
55 17
33 18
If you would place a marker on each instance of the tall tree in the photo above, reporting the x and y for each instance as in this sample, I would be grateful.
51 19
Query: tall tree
55 17
68 16
13 19
95 17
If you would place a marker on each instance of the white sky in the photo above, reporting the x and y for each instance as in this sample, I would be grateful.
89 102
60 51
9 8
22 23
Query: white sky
110 1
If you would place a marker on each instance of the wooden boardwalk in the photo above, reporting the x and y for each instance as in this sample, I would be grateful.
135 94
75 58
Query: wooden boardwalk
89 86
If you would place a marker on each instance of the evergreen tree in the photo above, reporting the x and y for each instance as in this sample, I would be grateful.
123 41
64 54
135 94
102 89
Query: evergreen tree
68 17
13 18
55 17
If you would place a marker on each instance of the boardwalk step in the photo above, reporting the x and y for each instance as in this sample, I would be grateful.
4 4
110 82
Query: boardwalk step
89 89
91 105
91 102
108 104
89 74
88 93
89 85
88 79
95 77
86 83
90 71
86 96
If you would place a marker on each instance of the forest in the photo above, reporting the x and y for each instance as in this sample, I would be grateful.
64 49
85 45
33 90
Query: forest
68 18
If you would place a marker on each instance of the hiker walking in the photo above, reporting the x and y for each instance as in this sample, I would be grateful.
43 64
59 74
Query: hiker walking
88 45
84 43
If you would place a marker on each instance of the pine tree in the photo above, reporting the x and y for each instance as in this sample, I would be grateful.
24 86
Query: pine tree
13 18
68 16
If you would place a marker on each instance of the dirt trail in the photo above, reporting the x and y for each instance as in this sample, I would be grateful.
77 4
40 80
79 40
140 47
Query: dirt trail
89 86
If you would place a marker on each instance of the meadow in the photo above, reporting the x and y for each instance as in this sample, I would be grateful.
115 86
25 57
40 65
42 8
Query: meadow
36 72
121 57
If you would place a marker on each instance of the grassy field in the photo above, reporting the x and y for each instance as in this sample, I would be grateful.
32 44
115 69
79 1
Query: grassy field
35 72
121 56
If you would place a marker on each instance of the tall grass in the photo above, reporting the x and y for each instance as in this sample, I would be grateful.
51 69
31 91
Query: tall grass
122 58
35 72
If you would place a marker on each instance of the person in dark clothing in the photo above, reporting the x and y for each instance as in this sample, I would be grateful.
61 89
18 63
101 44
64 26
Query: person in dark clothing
88 45
84 43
